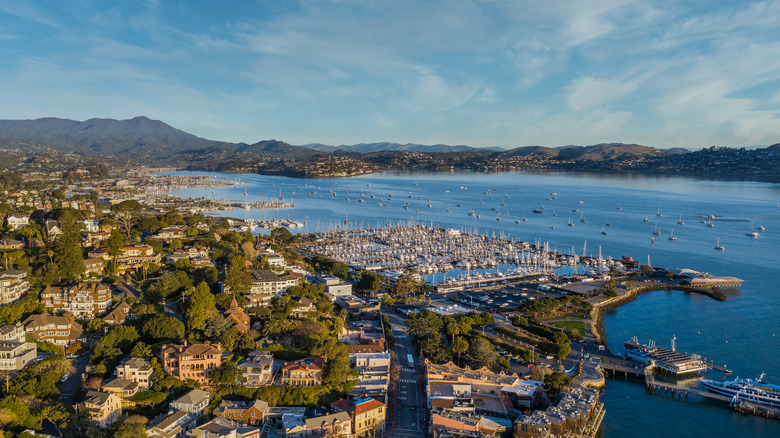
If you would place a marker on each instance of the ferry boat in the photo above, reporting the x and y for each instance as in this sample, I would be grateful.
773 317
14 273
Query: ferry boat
748 390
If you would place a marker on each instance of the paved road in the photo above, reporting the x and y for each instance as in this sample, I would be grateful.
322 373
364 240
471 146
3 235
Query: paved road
78 366
411 415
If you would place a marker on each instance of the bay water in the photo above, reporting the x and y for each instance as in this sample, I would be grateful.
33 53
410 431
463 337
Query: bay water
743 332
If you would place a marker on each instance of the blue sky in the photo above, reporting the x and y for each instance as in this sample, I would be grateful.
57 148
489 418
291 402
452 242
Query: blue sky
482 73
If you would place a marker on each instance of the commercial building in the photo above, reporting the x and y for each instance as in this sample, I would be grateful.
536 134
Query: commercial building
578 414
368 415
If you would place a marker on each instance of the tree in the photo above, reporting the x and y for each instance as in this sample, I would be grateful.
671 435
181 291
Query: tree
482 353
226 374
370 282
115 244
453 329
216 326
560 338
126 213
460 346
70 259
141 350
405 285
118 341
237 278
519 321
199 307
161 327
554 382
126 430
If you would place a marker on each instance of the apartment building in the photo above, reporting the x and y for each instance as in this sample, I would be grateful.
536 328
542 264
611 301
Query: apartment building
13 284
15 351
266 285
257 368
83 300
368 415
136 370
58 330
243 412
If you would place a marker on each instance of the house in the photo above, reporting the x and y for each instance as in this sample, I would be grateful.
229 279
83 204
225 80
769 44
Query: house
266 285
83 300
363 341
58 330
326 425
236 314
13 284
15 351
94 265
194 402
121 313
368 415
305 305
53 228
173 232
244 412
120 387
16 222
303 372
174 424
136 370
275 261
333 285
11 244
102 408
91 225
191 361
222 428
257 368
133 256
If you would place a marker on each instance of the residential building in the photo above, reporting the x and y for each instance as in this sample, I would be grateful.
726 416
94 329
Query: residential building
53 228
15 351
334 286
83 300
102 408
191 361
119 314
136 370
364 341
121 388
577 414
13 284
328 425
173 232
16 222
194 402
222 428
368 415
131 257
236 314
257 369
275 261
11 244
305 305
303 372
94 265
243 412
91 225
174 424
58 330
266 285
373 370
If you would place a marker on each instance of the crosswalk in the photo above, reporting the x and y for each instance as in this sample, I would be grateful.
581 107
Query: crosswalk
408 370
399 336
407 380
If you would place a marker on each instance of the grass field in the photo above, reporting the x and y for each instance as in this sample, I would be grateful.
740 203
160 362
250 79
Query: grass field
570 325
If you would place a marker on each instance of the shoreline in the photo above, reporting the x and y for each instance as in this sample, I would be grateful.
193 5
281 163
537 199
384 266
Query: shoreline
596 325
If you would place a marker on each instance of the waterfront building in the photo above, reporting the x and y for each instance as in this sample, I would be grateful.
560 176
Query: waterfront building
303 372
58 330
194 402
368 415
577 414
174 424
193 361
102 408
257 368
83 300
13 284
137 370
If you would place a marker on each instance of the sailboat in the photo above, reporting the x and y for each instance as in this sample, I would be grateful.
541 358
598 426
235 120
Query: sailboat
752 232
646 219
604 232
582 218
656 231
619 207
571 224
659 213
672 238
681 222
718 246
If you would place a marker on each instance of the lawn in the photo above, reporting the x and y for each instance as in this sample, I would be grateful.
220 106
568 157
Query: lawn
571 325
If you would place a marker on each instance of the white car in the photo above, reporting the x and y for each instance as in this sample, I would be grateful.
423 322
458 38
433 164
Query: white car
65 377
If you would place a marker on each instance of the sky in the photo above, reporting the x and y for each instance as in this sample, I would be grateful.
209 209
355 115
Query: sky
663 73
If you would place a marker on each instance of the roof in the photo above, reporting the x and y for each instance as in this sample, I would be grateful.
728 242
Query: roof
119 383
136 362
309 363
367 405
322 420
194 349
193 397
96 397
263 275
164 421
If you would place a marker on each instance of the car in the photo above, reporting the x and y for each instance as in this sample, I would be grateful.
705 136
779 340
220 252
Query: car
65 377
411 408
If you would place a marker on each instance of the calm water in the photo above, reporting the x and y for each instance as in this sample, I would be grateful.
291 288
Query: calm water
743 332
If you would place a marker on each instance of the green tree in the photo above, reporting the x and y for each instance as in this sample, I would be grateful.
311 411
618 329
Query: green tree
200 305
560 338
460 346
117 342
216 326
163 328
127 212
115 244
405 285
126 430
141 350
226 374
237 278
519 321
453 329
482 353
370 282
70 259
553 383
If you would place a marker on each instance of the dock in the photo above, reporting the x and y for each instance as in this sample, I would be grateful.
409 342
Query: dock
668 360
